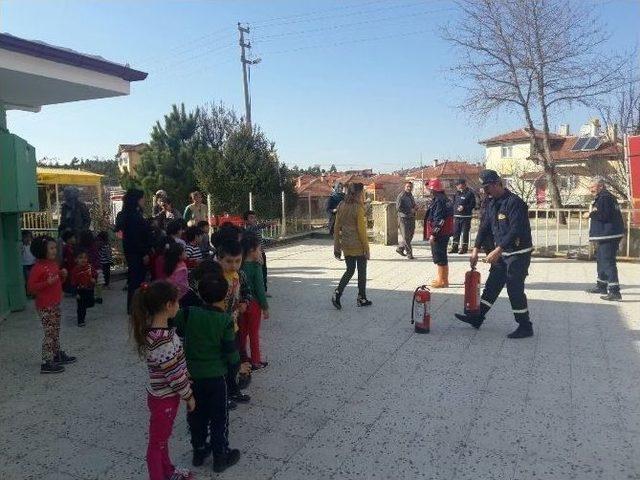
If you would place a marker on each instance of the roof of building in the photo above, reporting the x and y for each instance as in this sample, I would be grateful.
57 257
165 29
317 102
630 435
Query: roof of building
66 176
346 179
448 168
131 147
561 150
315 188
520 135
67 56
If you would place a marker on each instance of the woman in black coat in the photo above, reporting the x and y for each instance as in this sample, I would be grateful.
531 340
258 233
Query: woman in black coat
136 240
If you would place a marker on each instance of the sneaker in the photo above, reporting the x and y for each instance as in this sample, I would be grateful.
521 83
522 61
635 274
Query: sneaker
200 455
223 461
400 251
259 366
268 295
521 332
612 297
82 324
363 302
63 359
474 321
240 397
181 474
51 367
410 257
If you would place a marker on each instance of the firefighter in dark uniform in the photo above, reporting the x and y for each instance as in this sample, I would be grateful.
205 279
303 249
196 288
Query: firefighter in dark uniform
506 217
464 201
606 230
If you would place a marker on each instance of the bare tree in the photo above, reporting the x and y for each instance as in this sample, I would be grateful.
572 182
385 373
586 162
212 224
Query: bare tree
534 56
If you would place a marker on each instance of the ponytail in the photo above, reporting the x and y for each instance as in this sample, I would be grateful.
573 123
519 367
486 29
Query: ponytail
149 300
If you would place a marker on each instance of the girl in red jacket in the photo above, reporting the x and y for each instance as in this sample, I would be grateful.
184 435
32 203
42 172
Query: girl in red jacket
83 279
45 283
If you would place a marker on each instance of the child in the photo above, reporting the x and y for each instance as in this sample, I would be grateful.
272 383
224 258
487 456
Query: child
27 257
258 305
68 258
83 279
205 245
153 305
211 353
45 282
175 231
230 258
193 237
253 227
106 257
176 272
87 243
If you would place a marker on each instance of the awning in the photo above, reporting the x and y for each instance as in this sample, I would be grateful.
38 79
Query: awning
63 176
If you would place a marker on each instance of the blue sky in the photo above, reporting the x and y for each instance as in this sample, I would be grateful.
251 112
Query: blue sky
358 84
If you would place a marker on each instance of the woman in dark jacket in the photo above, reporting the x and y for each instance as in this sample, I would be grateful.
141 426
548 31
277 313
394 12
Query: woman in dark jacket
136 240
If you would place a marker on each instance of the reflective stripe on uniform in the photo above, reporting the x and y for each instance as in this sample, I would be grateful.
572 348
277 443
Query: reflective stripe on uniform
486 303
517 252
606 237
524 310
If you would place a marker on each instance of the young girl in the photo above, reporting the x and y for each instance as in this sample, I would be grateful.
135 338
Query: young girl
152 307
258 307
45 283
83 279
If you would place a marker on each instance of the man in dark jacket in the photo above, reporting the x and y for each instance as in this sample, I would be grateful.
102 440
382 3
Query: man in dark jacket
332 204
74 214
438 222
406 206
506 217
464 201
606 230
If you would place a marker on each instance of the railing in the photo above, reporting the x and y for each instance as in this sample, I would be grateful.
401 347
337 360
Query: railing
566 232
39 223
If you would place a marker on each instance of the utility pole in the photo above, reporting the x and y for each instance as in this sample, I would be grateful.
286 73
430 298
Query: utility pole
245 72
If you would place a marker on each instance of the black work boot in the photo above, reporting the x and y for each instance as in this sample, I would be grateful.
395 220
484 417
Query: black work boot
200 455
612 297
222 461
597 289
400 251
474 320
524 330
335 299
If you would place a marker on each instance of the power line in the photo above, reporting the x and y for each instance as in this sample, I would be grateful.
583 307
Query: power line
316 12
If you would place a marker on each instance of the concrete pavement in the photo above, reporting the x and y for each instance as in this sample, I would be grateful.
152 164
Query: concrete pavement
356 394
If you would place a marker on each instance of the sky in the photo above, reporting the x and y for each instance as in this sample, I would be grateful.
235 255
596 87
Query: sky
358 84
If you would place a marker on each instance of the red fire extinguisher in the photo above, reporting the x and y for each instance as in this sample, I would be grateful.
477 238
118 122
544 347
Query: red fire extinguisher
421 309
472 292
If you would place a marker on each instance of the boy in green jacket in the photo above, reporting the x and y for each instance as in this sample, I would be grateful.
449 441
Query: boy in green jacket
258 306
210 348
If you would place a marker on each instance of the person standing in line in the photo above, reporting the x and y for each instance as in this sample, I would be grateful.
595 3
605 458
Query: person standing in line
438 227
350 238
464 201
28 260
333 201
507 218
83 279
252 227
606 230
74 214
406 206
168 214
196 211
136 240
157 342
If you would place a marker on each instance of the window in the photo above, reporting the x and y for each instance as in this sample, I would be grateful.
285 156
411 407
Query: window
506 151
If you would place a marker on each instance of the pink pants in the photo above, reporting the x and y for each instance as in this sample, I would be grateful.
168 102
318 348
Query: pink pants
249 326
163 413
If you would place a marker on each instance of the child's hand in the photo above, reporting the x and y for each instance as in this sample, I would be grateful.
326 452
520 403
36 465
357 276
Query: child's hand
191 404
265 314
242 307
